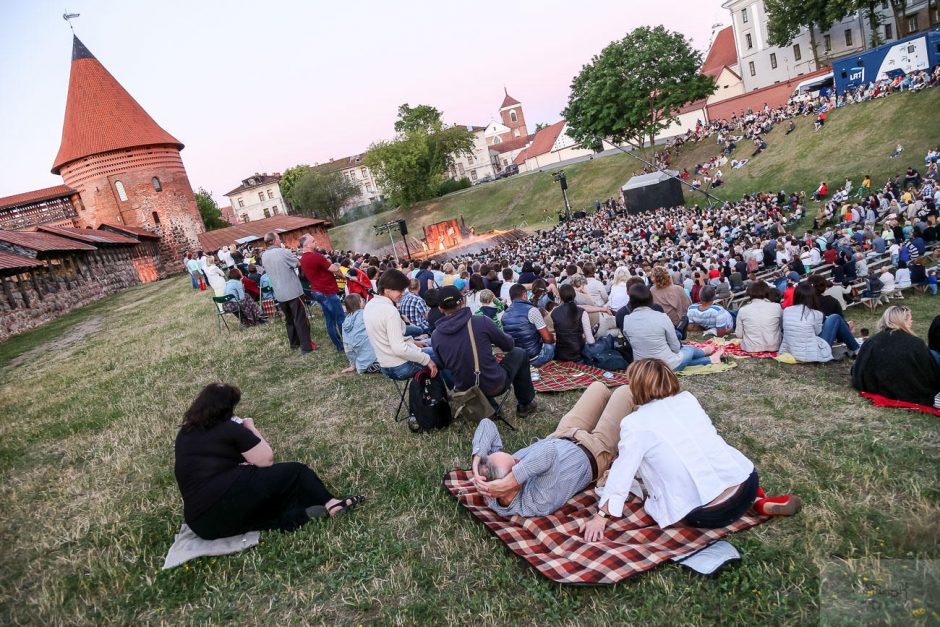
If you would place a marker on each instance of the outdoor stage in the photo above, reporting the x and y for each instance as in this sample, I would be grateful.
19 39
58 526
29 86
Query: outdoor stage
468 244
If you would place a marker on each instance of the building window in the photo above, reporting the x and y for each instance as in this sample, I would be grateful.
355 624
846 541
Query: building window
750 44
267 212
512 116
369 187
505 163
119 186
889 32
270 194
848 37
750 66
245 218
364 173
241 203
156 218
773 60
796 52
827 43
473 174
470 159
156 184
497 140
744 15
460 168
274 210
911 24
261 196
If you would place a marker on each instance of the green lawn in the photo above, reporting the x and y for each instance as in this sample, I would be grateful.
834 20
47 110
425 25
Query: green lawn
856 141
90 505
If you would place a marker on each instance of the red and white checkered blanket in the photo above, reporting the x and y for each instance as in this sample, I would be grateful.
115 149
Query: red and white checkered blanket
553 546
561 376
733 348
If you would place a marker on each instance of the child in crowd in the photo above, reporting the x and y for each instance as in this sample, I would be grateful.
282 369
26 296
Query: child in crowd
356 344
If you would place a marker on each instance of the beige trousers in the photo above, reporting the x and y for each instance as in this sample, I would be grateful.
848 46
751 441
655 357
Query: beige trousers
594 423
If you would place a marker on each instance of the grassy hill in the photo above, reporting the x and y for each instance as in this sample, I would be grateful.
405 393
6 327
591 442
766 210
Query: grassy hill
856 141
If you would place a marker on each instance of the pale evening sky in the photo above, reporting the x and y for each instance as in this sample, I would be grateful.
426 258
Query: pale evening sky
261 86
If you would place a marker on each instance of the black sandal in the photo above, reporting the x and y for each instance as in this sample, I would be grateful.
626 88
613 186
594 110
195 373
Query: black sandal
346 504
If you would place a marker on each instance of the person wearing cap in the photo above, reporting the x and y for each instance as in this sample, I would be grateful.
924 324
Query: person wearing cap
451 344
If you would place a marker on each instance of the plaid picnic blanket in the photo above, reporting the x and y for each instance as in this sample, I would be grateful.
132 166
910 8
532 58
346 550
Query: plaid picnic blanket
561 376
733 348
553 546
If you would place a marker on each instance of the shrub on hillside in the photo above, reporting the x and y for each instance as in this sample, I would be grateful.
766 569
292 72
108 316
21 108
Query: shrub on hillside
452 185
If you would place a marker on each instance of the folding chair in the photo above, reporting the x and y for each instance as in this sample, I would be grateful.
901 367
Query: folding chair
220 312
401 387
498 408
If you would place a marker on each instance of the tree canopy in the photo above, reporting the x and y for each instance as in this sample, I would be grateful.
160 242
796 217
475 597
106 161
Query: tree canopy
787 18
632 89
209 211
322 194
412 167
290 177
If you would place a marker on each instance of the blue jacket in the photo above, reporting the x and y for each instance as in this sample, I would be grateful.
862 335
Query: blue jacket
516 324
356 342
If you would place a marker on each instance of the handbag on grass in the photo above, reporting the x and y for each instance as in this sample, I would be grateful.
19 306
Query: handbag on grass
471 405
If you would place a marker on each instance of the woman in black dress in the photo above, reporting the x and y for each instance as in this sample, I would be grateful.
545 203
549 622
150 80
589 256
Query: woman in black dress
228 479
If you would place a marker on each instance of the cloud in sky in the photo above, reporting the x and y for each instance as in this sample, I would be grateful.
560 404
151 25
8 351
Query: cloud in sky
251 86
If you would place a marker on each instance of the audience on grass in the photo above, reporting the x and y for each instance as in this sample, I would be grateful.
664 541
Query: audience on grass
689 474
215 277
808 335
280 266
652 336
322 275
525 323
538 479
463 344
897 364
759 322
228 478
244 307
356 343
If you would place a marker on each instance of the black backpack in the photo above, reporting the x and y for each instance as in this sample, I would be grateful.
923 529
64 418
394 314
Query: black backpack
427 403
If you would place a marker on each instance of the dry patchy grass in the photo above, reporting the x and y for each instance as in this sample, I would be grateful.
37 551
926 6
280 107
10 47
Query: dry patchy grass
90 504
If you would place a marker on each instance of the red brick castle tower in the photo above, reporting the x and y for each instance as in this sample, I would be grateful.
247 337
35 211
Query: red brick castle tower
511 113
126 168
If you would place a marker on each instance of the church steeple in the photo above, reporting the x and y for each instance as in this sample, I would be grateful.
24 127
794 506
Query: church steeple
100 116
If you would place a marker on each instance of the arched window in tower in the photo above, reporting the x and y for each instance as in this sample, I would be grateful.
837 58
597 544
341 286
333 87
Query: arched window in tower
156 217
157 187
119 186
512 115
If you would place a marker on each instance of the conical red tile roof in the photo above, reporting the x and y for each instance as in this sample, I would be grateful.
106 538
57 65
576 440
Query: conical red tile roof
100 115
508 101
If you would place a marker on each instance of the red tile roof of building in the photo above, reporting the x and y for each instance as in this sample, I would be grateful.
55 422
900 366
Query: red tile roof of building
130 230
90 236
692 106
521 157
721 54
513 144
10 261
213 240
508 101
774 95
343 163
253 181
100 115
41 242
38 195
545 139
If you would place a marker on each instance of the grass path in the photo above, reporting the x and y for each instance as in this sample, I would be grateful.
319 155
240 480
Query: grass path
90 504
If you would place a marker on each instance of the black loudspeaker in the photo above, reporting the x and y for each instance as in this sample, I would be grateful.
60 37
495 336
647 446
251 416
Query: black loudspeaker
403 227
564 181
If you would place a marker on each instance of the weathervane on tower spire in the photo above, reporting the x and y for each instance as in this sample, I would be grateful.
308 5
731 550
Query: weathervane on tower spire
68 17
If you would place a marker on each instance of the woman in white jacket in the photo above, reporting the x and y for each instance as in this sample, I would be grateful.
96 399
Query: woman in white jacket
690 474
759 323
215 276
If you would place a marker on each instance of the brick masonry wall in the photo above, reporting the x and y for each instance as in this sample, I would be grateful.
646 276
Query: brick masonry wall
68 282
170 213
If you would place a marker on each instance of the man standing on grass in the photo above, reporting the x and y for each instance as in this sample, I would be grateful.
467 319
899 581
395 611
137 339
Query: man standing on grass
280 265
322 275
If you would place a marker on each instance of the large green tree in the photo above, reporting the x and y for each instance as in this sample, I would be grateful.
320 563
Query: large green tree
209 211
290 176
632 89
322 194
411 167
787 18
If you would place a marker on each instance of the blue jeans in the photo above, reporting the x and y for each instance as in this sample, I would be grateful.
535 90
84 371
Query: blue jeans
692 356
195 277
413 331
547 354
409 369
333 315
836 328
